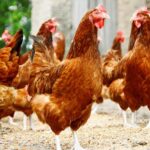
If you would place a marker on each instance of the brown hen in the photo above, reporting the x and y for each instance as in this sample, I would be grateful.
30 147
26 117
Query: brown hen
112 58
22 78
69 88
136 63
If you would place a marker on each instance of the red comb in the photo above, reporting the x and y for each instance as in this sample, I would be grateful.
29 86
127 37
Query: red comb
103 11
120 33
101 8
140 10
137 17
52 24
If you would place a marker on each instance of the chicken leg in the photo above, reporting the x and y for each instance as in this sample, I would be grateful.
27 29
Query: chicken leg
133 120
31 123
25 122
125 124
57 141
77 145
95 108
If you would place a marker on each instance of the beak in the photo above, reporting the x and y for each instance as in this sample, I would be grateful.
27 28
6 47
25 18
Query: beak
55 21
105 15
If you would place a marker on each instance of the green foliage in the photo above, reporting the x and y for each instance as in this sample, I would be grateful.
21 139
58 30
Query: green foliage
15 14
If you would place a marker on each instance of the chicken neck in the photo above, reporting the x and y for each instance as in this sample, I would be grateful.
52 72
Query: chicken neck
85 39
144 36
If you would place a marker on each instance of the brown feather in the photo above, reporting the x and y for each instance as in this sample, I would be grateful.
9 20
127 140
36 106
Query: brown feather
12 100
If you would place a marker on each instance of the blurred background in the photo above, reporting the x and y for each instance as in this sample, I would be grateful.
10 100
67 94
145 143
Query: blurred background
30 14
15 14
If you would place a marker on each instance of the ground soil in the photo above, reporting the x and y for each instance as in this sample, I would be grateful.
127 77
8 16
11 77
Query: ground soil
103 131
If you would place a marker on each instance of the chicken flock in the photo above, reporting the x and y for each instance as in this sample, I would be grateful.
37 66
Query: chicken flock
61 90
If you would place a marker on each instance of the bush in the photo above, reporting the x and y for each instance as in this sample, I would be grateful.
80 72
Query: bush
16 14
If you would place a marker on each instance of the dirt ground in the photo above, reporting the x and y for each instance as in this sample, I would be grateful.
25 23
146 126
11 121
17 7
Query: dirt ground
102 131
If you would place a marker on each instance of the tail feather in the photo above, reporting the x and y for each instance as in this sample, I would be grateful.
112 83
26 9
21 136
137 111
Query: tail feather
42 48
45 70
16 42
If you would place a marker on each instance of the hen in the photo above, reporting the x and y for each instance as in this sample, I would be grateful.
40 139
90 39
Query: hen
112 58
135 64
25 70
109 61
9 58
114 88
64 92
25 64
6 36
116 85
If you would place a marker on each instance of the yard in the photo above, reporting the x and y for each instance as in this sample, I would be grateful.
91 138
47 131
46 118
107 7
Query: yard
102 131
